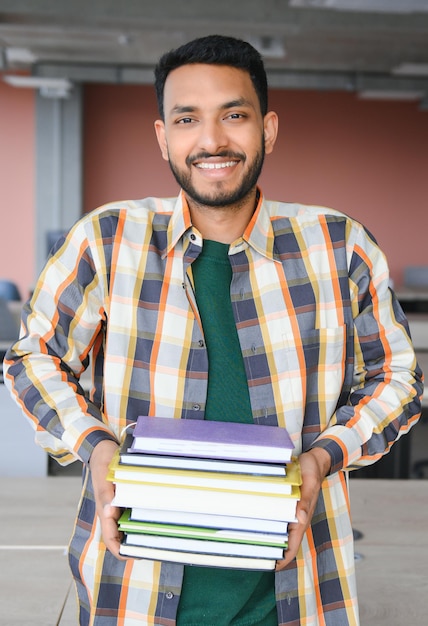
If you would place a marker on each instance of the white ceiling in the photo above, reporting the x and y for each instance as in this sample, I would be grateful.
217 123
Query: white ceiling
370 46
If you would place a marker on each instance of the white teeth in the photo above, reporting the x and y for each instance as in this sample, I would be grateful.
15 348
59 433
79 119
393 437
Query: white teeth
215 166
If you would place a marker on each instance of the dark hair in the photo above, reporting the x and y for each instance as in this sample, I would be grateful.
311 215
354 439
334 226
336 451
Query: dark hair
214 50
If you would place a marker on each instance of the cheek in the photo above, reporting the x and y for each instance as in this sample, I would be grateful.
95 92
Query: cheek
176 150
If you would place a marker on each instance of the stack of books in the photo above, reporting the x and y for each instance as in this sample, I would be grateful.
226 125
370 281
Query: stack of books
206 493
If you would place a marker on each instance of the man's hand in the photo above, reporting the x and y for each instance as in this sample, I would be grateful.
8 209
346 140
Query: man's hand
104 494
314 465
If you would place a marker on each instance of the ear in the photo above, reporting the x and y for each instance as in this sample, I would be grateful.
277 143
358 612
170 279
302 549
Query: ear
270 124
161 137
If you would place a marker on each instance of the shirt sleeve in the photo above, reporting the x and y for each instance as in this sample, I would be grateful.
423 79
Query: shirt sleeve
62 329
387 383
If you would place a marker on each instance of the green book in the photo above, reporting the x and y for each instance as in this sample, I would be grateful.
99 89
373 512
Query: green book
129 526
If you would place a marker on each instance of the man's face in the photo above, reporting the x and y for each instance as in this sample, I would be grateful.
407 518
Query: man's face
214 134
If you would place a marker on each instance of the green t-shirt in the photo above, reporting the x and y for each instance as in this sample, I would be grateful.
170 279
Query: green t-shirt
217 596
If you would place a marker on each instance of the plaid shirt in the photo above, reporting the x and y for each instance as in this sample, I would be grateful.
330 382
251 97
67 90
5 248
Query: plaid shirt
326 351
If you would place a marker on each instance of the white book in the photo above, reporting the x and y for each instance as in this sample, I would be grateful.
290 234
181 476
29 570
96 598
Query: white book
252 524
189 544
188 558
216 501
205 465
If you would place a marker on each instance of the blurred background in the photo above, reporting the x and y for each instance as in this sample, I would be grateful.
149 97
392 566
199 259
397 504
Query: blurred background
348 78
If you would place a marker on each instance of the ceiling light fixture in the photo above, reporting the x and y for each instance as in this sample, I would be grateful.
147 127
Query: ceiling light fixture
268 46
19 56
390 94
49 87
364 6
411 69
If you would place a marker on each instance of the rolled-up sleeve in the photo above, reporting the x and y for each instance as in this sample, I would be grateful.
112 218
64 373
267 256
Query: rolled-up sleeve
62 325
385 399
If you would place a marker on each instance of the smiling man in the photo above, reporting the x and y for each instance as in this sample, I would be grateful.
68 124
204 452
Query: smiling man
217 305
215 137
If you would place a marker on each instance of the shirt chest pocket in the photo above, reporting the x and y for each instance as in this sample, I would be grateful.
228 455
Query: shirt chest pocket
314 362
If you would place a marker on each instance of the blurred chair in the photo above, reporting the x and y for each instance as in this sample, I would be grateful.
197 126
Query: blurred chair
9 328
9 331
9 291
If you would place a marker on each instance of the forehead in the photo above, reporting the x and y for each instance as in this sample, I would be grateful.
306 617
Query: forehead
208 86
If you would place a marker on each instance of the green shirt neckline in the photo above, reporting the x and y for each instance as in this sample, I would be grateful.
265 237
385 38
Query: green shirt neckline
217 596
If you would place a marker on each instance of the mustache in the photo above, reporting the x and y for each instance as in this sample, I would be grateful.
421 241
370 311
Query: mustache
204 156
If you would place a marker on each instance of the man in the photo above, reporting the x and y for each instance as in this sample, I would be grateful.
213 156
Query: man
218 305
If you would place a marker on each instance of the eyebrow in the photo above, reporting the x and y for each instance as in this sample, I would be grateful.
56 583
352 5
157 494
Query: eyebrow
239 102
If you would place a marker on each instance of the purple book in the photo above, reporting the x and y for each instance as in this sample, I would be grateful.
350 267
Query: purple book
210 439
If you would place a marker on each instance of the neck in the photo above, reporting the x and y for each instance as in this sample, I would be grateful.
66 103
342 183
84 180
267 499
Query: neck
223 224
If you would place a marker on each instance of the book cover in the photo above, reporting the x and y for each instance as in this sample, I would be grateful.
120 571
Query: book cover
223 440
188 558
207 520
127 525
196 478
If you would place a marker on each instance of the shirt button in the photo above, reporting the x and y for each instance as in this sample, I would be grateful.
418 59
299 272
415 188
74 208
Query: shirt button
201 343
169 595
196 407
193 237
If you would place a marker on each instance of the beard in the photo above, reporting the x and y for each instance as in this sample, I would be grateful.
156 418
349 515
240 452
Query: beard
219 197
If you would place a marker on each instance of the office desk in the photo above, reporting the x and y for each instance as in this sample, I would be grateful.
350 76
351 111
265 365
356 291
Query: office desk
423 363
413 300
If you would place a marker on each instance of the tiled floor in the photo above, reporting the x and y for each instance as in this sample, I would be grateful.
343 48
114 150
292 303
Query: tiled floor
37 514
392 574
36 518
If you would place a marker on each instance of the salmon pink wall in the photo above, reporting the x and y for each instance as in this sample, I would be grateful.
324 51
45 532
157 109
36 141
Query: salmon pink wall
17 194
369 159
121 154
366 158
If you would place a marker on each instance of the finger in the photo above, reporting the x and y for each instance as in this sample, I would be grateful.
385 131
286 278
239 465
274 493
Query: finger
104 493
296 531
280 565
111 537
289 555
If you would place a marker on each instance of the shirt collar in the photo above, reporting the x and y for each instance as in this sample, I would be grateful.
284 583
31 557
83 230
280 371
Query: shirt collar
259 233
179 223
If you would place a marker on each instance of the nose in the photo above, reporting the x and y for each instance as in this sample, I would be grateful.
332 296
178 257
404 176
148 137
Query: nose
213 137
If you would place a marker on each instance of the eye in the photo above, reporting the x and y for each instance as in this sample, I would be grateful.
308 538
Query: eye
235 116
185 120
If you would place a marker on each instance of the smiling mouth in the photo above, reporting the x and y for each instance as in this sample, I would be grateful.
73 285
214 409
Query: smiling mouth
215 166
